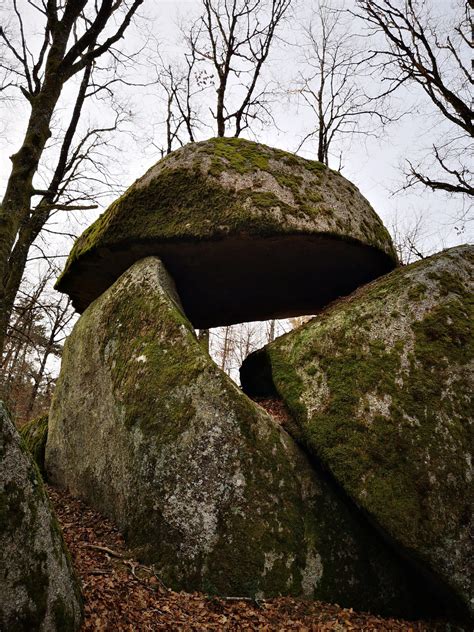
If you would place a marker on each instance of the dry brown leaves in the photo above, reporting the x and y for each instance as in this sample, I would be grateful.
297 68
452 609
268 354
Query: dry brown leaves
276 408
122 595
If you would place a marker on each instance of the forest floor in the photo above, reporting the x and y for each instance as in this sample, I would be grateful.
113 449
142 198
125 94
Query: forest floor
122 595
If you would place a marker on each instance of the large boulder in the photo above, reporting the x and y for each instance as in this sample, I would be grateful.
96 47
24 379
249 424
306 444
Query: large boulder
38 588
203 482
380 386
247 233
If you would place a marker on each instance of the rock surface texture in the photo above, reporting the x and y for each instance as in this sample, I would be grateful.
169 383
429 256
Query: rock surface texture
34 435
38 589
247 233
381 388
203 482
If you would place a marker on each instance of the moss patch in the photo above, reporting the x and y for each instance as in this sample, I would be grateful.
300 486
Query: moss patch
228 186
34 435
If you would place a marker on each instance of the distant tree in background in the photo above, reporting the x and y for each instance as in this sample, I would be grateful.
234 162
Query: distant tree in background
332 83
219 71
74 35
229 346
40 322
180 86
408 238
233 39
415 47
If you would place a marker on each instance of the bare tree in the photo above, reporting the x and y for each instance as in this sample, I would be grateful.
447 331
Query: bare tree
271 328
75 34
40 322
58 315
235 37
333 83
223 346
229 346
408 237
180 85
432 53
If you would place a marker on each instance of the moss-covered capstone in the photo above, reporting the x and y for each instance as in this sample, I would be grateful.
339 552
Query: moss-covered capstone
38 588
34 434
202 481
381 387
247 233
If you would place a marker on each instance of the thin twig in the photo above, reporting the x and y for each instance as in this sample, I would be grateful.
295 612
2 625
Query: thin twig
104 549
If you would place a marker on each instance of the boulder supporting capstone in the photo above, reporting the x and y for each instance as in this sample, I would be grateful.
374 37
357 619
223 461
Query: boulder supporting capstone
203 482
380 387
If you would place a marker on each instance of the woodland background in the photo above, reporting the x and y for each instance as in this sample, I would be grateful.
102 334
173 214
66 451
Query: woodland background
94 93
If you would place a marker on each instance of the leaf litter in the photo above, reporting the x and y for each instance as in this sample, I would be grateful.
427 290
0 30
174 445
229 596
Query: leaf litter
120 594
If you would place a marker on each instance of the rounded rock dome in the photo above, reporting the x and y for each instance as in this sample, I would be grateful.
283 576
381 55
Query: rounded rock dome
247 232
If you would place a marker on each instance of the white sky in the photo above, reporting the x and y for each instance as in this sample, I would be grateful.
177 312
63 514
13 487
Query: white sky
373 165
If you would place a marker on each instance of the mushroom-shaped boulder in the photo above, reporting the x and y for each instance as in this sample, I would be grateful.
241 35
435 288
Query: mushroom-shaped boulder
246 231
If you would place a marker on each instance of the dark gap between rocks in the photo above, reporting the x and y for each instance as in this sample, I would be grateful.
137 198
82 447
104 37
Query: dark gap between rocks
239 279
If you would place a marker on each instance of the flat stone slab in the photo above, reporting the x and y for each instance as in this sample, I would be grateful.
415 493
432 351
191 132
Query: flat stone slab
381 389
202 481
246 231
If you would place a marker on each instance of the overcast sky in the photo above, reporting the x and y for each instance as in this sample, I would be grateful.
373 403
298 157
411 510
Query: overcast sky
372 164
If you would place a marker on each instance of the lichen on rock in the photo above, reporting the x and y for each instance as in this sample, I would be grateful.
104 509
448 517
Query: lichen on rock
266 220
38 588
203 482
381 388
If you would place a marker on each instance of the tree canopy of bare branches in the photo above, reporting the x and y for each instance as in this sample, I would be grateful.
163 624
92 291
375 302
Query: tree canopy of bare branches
333 83
180 85
39 324
424 50
234 38
75 35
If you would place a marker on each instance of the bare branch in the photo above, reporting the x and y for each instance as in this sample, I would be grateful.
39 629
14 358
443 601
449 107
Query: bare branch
332 84
235 38
418 52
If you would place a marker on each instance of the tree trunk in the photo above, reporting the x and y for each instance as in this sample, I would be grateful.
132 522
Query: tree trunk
220 110
225 348
271 333
15 208
39 377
